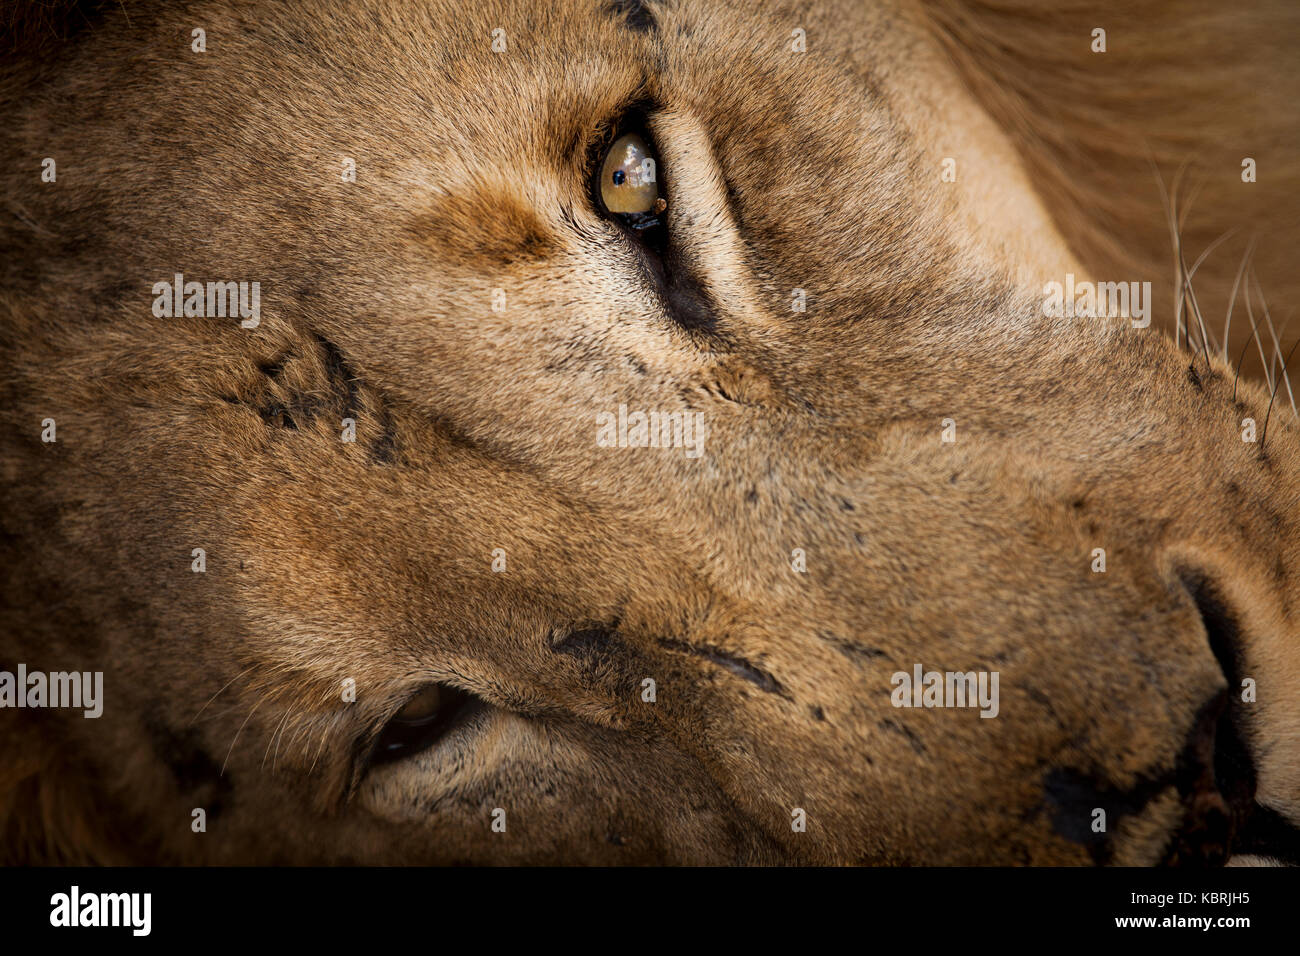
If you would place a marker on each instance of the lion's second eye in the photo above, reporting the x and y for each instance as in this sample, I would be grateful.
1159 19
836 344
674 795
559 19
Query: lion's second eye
426 717
423 705
629 180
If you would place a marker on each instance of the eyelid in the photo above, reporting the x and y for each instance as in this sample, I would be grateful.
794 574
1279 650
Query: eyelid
631 115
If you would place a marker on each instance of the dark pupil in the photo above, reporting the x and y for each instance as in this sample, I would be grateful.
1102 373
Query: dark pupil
619 176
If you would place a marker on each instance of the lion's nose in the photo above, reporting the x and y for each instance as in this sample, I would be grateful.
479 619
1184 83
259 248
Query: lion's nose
1205 836
1216 774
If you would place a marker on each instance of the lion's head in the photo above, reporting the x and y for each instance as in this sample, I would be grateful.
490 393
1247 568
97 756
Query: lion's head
634 432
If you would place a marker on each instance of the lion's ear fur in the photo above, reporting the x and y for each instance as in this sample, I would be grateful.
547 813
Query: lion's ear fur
1201 83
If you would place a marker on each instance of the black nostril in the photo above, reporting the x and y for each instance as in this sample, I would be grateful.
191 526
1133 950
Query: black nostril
1234 769
1216 775
1220 623
1205 836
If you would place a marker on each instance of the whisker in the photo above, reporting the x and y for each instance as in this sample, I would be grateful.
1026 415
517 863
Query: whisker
1263 435
1285 379
275 758
1191 199
1208 249
1182 276
1173 235
1276 336
219 693
321 746
1232 300
1196 308
237 733
1241 356
274 734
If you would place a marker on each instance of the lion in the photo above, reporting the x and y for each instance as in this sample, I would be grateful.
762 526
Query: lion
641 432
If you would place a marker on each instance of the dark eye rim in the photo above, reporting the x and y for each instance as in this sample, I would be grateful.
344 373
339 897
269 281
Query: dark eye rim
398 739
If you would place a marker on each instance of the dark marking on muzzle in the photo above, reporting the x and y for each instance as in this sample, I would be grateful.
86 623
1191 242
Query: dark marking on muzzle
1071 797
850 648
584 642
195 772
739 666
907 732
635 14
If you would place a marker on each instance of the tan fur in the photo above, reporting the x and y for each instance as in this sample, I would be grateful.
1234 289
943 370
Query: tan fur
476 430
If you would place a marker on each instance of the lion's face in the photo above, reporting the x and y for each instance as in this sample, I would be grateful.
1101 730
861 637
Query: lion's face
452 611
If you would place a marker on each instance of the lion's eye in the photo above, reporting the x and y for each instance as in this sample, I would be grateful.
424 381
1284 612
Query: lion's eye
422 706
424 719
629 178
